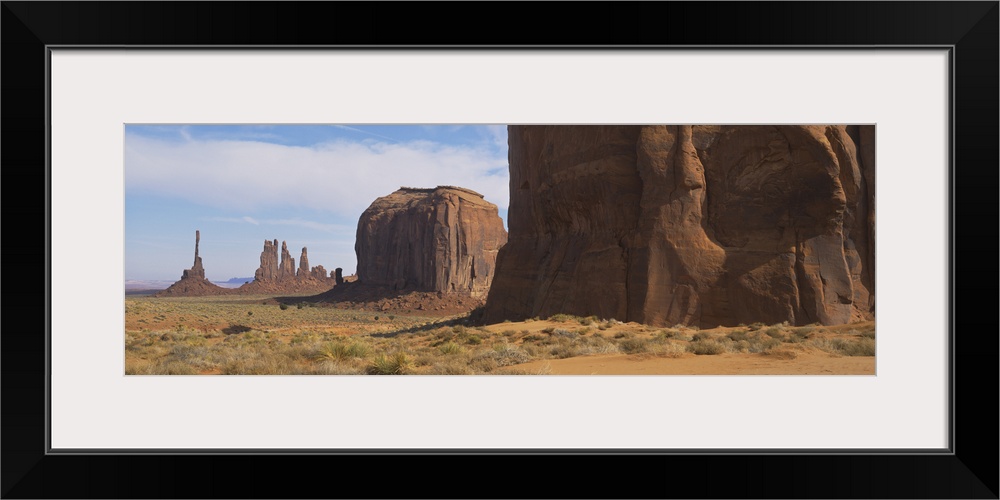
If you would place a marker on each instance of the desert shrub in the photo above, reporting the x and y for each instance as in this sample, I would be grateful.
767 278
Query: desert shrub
665 334
341 351
173 367
622 335
589 320
397 363
533 350
804 331
737 335
700 336
450 348
475 339
633 345
861 347
867 333
335 368
565 333
756 326
283 306
562 317
764 345
706 347
531 338
774 332
504 355
562 352
247 362
670 350
136 366
452 367
458 329
799 334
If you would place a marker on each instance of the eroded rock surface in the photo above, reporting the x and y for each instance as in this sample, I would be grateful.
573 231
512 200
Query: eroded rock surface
439 239
702 225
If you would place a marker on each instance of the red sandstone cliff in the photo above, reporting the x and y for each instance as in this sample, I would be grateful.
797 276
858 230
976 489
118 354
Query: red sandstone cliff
703 225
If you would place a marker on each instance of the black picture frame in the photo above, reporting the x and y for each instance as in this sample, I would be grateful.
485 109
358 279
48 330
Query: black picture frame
968 470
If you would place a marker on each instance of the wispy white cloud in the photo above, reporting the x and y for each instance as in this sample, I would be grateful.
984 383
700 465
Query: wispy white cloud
319 226
339 177
352 129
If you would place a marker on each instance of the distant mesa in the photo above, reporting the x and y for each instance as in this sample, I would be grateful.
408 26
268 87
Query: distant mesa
238 281
280 275
700 225
193 282
442 239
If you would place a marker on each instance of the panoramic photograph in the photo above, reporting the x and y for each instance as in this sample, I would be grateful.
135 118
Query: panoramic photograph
275 249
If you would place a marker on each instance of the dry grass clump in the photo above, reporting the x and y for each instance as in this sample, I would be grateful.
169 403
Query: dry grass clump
397 363
341 351
706 346
504 354
633 345
863 346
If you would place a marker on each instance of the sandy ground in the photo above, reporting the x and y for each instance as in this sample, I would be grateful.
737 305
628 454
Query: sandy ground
785 362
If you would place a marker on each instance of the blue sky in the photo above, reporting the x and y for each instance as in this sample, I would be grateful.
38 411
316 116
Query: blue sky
303 184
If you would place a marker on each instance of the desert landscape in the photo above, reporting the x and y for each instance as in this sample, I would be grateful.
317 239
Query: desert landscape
628 250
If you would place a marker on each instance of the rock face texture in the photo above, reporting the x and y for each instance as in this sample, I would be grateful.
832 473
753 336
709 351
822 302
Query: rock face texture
441 239
281 275
700 225
193 282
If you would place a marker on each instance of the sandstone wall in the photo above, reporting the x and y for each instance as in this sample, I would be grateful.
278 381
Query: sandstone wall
704 225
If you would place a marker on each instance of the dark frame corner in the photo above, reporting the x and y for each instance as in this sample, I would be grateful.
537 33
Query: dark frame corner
971 28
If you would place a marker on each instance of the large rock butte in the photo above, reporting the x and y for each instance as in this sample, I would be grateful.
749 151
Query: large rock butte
442 239
700 225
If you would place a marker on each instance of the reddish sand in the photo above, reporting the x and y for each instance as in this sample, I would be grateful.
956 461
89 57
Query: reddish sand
805 362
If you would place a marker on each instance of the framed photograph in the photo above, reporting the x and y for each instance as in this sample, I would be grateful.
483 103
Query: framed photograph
921 77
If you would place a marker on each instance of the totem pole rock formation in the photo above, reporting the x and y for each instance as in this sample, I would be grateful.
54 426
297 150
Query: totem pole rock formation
196 271
193 282
268 270
701 225
286 269
441 239
279 274
303 271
